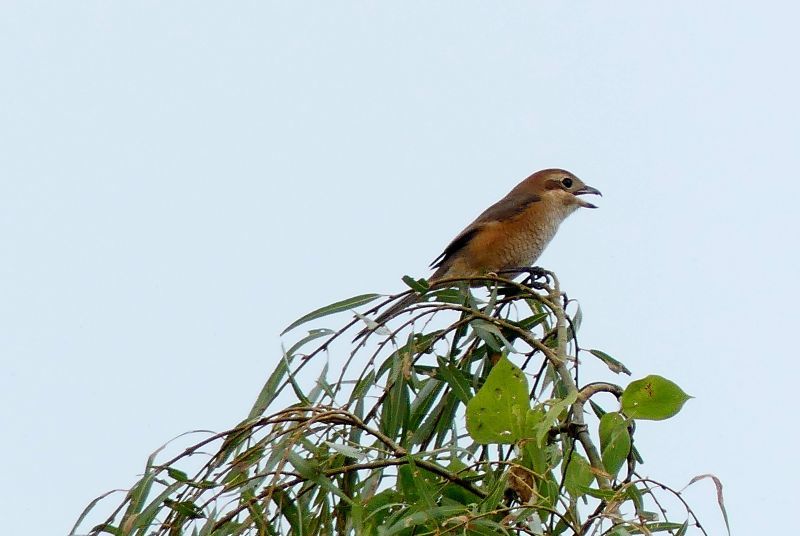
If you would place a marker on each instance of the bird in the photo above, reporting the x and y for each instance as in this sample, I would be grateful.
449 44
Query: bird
510 234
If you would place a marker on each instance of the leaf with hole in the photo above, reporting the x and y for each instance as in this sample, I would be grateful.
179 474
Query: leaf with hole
498 411
653 398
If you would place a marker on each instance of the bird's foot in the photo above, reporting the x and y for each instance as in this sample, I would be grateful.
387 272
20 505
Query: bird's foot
534 274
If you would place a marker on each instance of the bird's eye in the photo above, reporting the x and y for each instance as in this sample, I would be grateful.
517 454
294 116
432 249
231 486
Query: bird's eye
567 182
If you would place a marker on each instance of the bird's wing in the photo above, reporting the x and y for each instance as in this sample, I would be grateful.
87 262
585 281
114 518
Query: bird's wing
505 209
456 245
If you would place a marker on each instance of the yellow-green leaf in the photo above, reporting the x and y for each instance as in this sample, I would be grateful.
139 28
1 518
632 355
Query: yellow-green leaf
498 411
615 441
653 398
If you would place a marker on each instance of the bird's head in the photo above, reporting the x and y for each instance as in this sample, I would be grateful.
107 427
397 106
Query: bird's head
560 186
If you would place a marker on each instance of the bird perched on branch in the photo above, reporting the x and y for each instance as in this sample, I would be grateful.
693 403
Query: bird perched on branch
510 234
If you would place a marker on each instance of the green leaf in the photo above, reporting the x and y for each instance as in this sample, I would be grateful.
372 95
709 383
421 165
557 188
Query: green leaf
418 285
557 406
662 526
577 320
489 333
396 407
185 508
437 513
427 393
177 474
532 321
288 509
612 364
270 389
615 441
652 398
347 450
497 412
450 295
635 495
379 507
604 494
455 492
578 476
456 379
338 307
417 484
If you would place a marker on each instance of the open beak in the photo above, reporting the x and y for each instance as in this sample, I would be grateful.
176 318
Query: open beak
586 190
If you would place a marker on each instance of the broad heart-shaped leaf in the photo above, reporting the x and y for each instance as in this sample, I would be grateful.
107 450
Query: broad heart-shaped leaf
615 441
497 412
652 398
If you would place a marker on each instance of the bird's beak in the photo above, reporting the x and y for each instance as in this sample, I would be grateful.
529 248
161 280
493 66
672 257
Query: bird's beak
586 190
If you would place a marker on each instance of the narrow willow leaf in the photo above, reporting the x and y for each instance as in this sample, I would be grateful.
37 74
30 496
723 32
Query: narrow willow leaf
177 474
577 320
635 496
420 286
431 421
185 508
612 364
597 409
449 295
557 406
652 398
720 498
532 321
482 327
427 395
417 485
604 494
405 522
312 334
456 379
338 307
288 509
488 333
498 411
497 490
270 389
256 511
149 513
89 508
650 528
347 450
395 410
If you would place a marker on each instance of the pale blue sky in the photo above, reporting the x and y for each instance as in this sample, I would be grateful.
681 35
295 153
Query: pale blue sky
179 181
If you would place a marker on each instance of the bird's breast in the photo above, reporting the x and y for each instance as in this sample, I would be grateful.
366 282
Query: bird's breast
508 244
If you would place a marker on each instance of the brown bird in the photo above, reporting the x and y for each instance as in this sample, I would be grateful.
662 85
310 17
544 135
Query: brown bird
510 234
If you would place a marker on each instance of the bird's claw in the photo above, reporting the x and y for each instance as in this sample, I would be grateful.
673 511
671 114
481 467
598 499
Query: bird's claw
534 274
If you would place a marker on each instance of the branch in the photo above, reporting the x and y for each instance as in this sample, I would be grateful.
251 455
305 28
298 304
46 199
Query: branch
577 408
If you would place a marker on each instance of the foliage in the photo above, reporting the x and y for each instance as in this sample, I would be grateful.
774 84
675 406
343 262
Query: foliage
477 427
